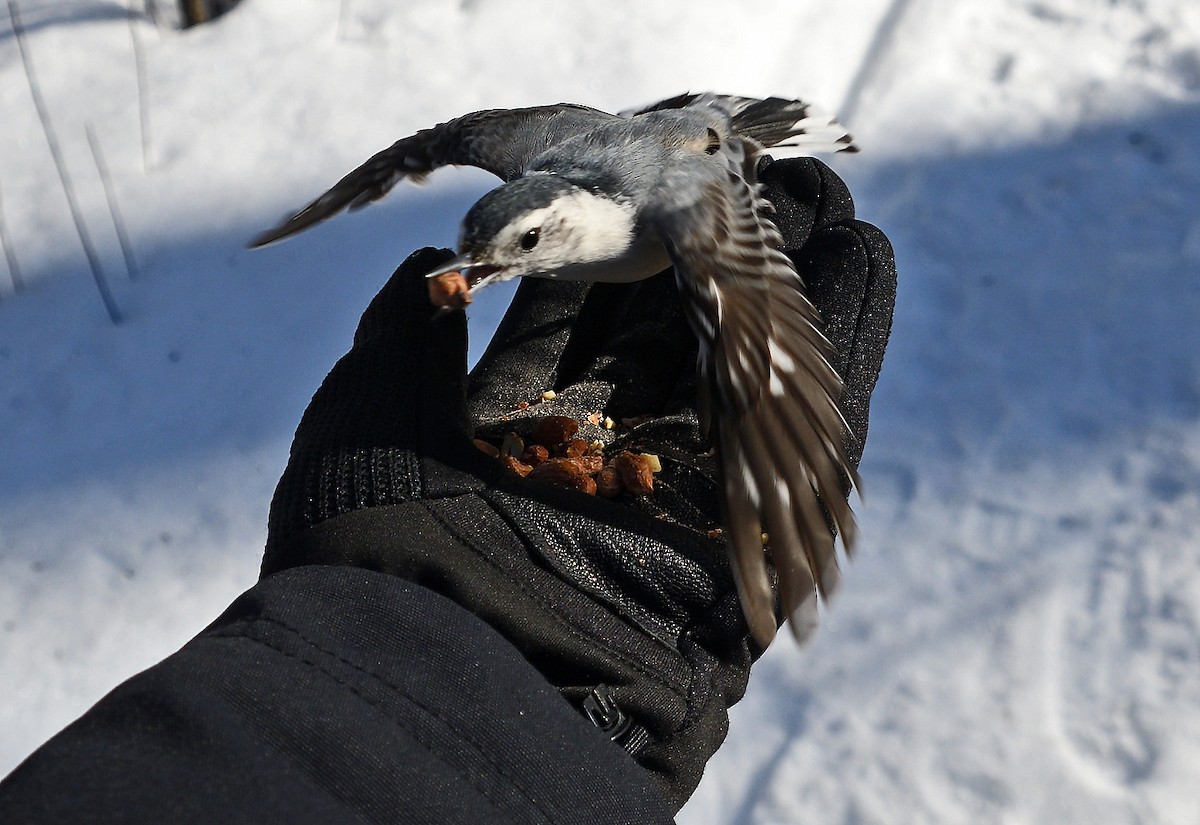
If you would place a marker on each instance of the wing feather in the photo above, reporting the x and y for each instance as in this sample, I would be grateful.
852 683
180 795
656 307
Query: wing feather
765 368
501 141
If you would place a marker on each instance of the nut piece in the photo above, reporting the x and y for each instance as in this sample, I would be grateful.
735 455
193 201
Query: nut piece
512 445
515 465
635 473
486 447
554 430
553 453
535 454
608 483
568 472
449 290
575 448
591 464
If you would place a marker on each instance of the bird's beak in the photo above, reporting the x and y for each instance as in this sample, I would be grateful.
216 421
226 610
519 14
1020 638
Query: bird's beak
451 284
474 272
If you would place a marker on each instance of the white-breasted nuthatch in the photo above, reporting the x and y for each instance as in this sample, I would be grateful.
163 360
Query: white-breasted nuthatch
594 196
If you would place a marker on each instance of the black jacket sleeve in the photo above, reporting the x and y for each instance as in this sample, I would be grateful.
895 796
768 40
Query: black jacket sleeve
335 694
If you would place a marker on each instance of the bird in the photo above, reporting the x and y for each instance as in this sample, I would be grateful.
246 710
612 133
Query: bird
589 195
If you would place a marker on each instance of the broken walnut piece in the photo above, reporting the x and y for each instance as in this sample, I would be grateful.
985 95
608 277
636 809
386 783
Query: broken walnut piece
568 472
515 465
552 430
591 464
635 473
449 290
575 448
608 483
535 454
486 447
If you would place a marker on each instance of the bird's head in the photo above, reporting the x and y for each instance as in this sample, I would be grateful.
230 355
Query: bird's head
539 225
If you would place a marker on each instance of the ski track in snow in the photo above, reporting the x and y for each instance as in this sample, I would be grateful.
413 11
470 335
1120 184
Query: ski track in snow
1018 641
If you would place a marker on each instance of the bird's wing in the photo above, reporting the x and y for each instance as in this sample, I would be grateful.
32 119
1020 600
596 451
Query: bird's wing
771 392
501 141
772 121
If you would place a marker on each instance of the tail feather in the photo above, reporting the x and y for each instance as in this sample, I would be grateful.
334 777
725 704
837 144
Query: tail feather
773 121
778 122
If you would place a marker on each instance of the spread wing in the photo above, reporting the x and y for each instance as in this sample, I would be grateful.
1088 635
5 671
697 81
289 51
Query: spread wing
501 141
771 393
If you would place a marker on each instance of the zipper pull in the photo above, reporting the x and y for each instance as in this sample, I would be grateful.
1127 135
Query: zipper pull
605 714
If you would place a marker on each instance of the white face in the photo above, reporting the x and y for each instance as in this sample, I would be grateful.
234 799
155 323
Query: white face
577 228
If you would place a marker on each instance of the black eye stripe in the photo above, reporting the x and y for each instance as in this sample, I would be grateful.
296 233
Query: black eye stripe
530 239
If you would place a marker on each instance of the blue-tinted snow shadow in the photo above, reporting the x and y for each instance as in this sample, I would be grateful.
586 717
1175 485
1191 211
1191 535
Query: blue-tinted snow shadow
220 350
1049 298
1048 301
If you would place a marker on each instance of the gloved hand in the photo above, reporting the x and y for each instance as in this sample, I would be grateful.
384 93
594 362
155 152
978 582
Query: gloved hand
627 606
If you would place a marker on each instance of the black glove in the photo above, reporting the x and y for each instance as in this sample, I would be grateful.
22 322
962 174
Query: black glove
627 606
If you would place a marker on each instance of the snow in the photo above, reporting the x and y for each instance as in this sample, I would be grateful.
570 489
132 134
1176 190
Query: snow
1018 639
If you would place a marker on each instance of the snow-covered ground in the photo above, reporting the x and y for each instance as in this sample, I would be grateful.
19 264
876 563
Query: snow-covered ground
1018 640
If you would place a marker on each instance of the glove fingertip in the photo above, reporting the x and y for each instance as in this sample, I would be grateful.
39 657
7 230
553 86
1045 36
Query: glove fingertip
836 203
807 195
404 300
851 273
405 341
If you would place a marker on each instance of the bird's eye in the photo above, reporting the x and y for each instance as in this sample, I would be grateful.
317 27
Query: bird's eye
530 239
